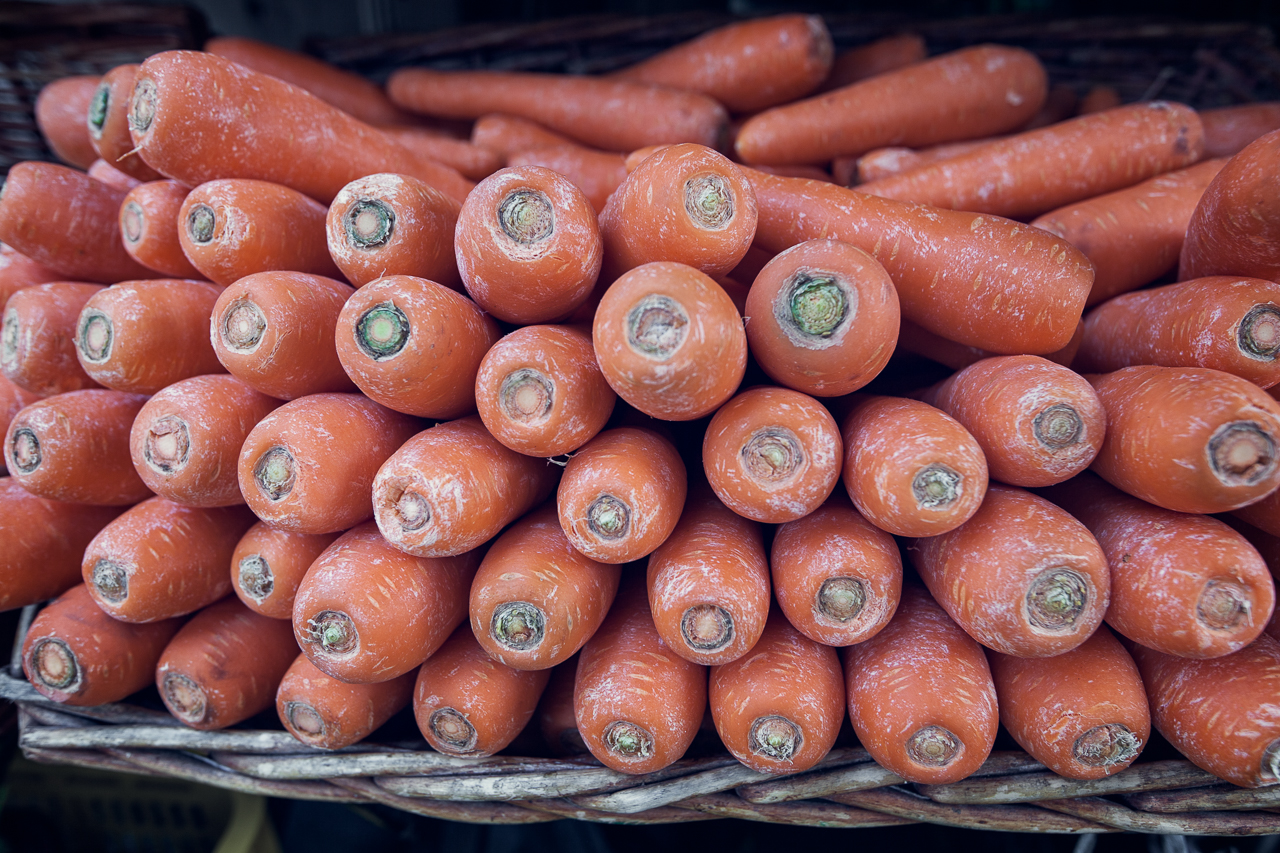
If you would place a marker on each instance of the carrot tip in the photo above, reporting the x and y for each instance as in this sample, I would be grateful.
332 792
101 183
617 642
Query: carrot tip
142 108
609 518
772 456
518 625
841 599
24 450
1242 453
256 580
1106 746
111 580
656 326
305 722
201 222
95 337
526 396
934 746
98 108
1058 426
815 304
55 666
708 199
369 223
526 216
453 730
275 473
243 325
382 331
1271 763
628 740
707 627
167 445
9 341
1259 333
334 631
1056 598
132 221
1223 605
774 737
936 486
185 698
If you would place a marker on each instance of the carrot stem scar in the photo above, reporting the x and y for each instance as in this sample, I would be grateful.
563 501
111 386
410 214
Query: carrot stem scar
656 326
9 342
936 486
55 664
1106 746
841 599
95 337
275 472
1223 604
1259 333
243 326
708 199
628 739
1058 426
518 625
934 746
142 112
774 736
25 450
609 517
200 224
526 216
256 579
98 109
132 220
185 697
1241 453
772 455
816 305
382 331
335 632
305 719
526 395
1056 598
453 729
111 580
369 223
707 627
412 511
1271 762
167 445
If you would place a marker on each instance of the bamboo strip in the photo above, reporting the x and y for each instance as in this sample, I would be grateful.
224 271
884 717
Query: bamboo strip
1218 797
360 762
1190 823
663 814
191 768
1036 787
465 812
803 813
1000 818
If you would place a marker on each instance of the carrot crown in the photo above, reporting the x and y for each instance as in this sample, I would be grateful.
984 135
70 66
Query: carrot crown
382 331
9 340
934 746
708 199
1058 426
657 326
132 221
841 599
256 579
526 395
111 580
243 325
772 456
142 108
1259 333
518 625
55 666
24 450
707 627
1056 598
1106 746
334 632
1224 604
95 336
275 472
167 445
1242 453
936 485
526 216
369 223
814 306
453 730
98 107
609 517
185 698
628 740
775 736
201 222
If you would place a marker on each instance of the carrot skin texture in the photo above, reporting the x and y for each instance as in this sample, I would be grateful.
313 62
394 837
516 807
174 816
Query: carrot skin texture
1227 130
17 271
268 565
877 57
896 159
38 352
149 221
596 173
61 111
104 172
475 163
108 123
509 134
326 713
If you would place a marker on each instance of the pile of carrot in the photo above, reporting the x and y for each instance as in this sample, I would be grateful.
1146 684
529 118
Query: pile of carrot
622 415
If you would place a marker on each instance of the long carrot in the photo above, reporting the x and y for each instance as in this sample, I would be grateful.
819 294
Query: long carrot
912 338
108 122
322 711
38 343
596 173
556 722
149 220
510 134
105 173
896 159
877 57
61 111
12 400
268 565
18 271
1227 130
474 162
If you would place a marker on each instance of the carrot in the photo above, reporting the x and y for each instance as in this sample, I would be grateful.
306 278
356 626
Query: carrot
527 245
414 346
105 173
1021 576
268 565
275 332
1083 713
1040 170
878 57
540 391
186 105
1263 514
637 704
470 160
61 110
108 121
224 666
12 400
511 134
1099 99
18 271
686 203
38 346
910 468
1060 104
1221 714
556 722
1217 431
140 336
308 467
965 94
669 341
366 612
823 318
596 173
186 440
149 217
323 712
615 115
921 696
74 447
232 228
1182 584
950 268
453 487
896 159
1038 422
390 224
1227 130
78 655
622 494
912 338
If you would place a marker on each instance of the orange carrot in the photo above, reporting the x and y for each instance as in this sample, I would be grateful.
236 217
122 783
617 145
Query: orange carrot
471 160
878 57
1061 104
108 122
1263 514
12 400
18 271
556 722
913 338
895 159
596 173
105 173
38 347
149 218
61 109
510 134
268 565
1227 130
323 712
1098 99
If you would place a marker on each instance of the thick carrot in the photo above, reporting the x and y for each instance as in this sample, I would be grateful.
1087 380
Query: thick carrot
910 468
108 122
974 92
391 224
141 336
18 271
556 722
224 666
323 712
186 439
1082 713
471 160
268 565
76 654
61 109
308 467
823 318
105 173
366 612
1227 130
878 57
38 345
540 391
414 346
510 134
527 245
149 220
75 447
921 696
896 159
913 338
596 173
1021 576
275 331
669 341
453 487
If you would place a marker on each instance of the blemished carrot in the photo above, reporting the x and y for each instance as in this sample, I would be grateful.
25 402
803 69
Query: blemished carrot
105 173
414 345
186 440
18 271
556 722
61 108
1038 423
1039 170
140 336
1083 713
878 57
670 341
615 115
527 245
108 122
836 576
1100 98
1133 236
149 225
638 705
910 468
921 696
162 559
687 204
622 494
540 391
823 318
232 228
268 565
38 344
391 224
470 160
74 447
1021 576
913 338
187 104
510 134
451 488
323 712
1227 130
896 159
1218 432
950 268
468 704
367 612
1182 584
969 93
275 332
709 583
41 543
536 599
596 173
1221 714
308 467
224 666
76 654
